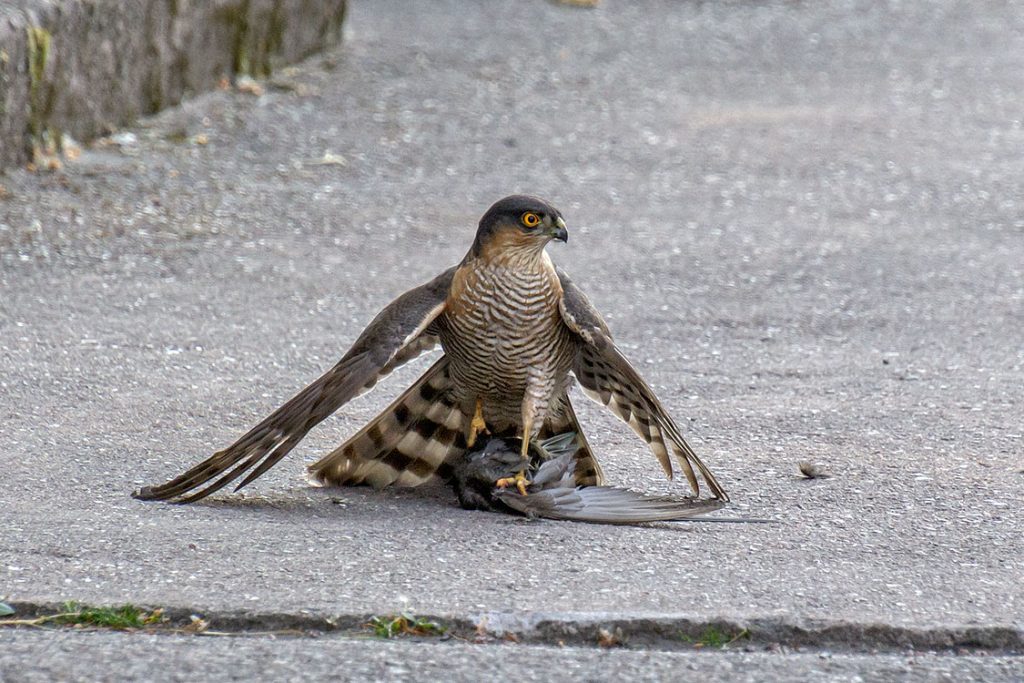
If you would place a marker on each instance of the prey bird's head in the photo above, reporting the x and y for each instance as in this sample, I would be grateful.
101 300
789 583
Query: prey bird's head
519 223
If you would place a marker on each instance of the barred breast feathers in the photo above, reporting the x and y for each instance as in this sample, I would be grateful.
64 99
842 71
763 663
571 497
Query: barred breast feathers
502 325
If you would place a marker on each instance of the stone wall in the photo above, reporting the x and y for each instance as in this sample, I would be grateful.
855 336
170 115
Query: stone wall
86 67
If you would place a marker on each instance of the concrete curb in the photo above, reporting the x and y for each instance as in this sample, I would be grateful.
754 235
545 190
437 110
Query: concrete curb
637 631
86 67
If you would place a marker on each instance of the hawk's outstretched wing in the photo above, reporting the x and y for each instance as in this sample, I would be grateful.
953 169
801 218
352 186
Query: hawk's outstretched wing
606 376
399 333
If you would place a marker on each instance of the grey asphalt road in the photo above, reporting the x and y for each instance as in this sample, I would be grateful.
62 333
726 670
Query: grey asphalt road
804 222
69 654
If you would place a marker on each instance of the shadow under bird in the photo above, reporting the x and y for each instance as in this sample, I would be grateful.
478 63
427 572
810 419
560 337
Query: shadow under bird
515 332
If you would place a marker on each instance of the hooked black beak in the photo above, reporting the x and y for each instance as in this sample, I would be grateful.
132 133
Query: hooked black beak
559 232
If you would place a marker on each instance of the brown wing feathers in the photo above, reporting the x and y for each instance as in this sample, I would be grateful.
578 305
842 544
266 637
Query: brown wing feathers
606 375
397 334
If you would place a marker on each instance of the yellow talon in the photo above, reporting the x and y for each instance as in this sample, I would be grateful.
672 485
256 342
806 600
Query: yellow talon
519 481
478 425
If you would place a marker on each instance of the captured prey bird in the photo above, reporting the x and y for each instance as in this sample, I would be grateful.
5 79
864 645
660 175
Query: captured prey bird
515 331
553 492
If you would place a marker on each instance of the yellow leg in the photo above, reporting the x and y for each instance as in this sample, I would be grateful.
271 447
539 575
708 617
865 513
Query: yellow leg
478 425
527 435
520 481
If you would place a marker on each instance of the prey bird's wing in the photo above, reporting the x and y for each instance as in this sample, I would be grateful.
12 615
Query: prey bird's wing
607 377
399 333
602 505
553 494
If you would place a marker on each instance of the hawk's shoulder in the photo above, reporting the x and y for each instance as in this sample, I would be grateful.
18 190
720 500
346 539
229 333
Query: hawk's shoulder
579 314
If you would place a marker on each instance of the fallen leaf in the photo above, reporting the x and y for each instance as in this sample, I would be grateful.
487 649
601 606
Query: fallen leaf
248 85
812 471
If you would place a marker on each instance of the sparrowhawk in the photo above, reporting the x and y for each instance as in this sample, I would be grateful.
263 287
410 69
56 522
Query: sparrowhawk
514 329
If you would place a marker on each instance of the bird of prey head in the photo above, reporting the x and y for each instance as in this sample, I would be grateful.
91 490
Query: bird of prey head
519 222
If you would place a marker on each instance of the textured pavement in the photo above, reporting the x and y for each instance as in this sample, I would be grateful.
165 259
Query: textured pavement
804 224
187 659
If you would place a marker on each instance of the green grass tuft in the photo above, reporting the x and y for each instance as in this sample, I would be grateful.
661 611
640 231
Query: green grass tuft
404 624
75 614
123 617
716 638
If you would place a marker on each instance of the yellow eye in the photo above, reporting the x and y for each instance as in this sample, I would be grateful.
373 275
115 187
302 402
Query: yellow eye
530 219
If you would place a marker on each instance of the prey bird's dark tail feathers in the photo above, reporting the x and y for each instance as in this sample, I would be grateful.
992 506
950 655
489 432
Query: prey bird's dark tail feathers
413 440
